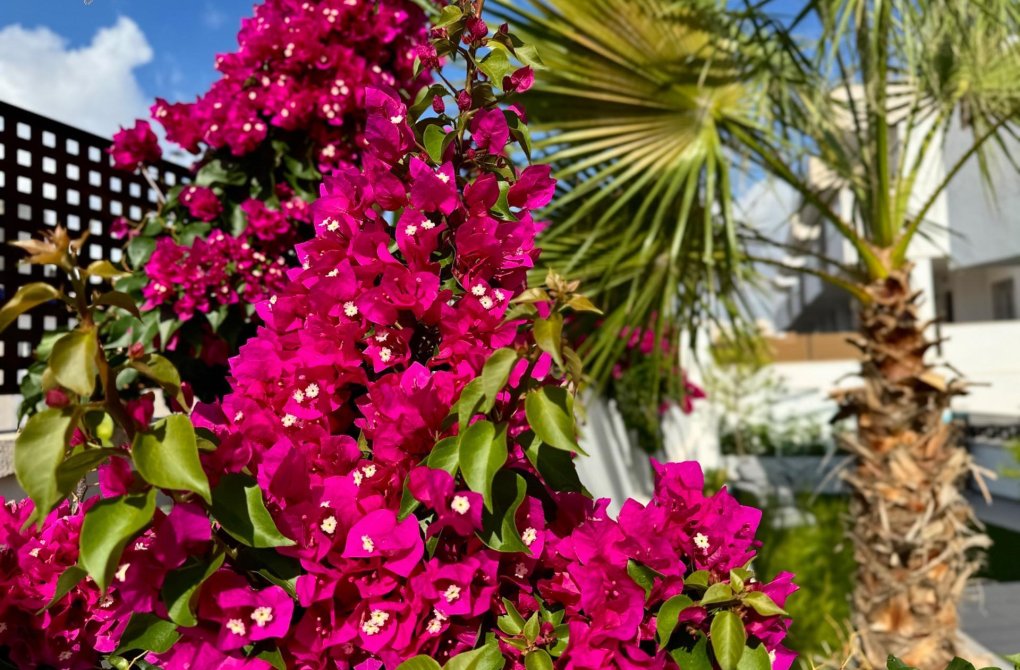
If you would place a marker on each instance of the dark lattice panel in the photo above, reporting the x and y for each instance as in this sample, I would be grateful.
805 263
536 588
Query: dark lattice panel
53 173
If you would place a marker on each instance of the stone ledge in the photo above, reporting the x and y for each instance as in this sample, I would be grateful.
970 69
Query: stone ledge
6 454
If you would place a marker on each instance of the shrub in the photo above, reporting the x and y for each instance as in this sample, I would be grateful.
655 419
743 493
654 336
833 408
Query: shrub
390 481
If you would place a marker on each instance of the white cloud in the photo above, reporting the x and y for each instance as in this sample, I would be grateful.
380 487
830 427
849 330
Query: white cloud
92 87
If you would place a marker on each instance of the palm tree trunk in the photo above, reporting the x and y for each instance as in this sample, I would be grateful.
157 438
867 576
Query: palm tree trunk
915 536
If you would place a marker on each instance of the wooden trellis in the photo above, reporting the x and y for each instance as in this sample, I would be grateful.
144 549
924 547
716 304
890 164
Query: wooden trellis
53 173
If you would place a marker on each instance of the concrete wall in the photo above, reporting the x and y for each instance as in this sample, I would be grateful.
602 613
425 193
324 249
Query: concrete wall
986 229
985 352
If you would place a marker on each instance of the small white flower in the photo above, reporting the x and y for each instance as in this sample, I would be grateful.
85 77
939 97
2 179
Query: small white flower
350 309
500 296
369 471
427 224
460 504
478 289
299 396
121 573
288 420
262 615
443 177
396 119
246 127
451 593
529 536
701 540
367 544
385 354
486 302
238 417
410 230
236 626
328 525
312 390
357 476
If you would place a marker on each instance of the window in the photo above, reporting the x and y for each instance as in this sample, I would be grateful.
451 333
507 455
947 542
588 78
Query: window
1003 301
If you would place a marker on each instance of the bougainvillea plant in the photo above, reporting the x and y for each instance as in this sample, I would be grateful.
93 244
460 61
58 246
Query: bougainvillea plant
390 484
288 107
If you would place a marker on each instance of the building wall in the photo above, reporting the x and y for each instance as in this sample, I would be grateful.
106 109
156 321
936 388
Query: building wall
986 229
972 291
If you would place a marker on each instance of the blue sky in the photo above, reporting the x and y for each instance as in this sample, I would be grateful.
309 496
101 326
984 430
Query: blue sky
111 57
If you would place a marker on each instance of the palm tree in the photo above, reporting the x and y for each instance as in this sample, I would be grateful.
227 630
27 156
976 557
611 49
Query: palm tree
649 107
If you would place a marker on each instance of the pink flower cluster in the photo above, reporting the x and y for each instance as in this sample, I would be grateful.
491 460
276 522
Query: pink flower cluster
218 270
302 66
298 77
135 146
340 400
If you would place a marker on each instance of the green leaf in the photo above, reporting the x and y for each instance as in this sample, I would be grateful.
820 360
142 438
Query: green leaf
80 464
149 632
556 466
238 505
755 658
68 579
471 397
580 303
697 578
550 413
668 617
959 664
765 606
717 593
419 663
448 16
893 663
166 455
532 628
479 395
139 250
120 299
27 297
487 657
214 172
512 623
695 659
434 140
538 660
38 451
496 66
482 453
495 375
549 336
274 658
499 527
107 528
642 575
728 638
73 361
408 503
105 269
162 371
181 586
1014 659
445 455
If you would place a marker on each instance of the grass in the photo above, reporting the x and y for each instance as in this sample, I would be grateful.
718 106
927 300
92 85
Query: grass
822 560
